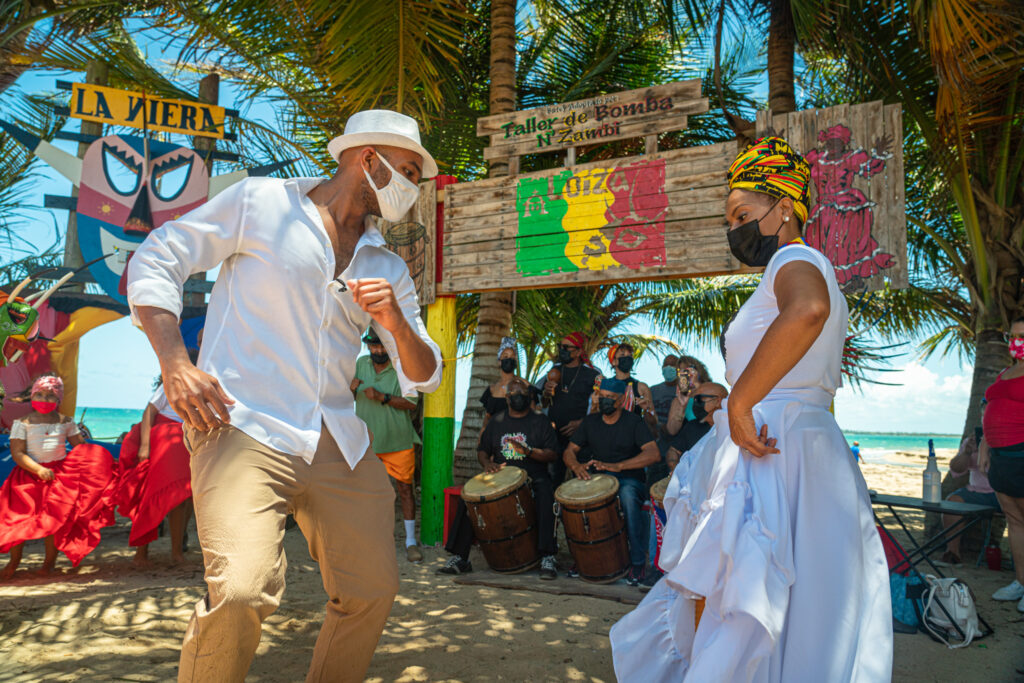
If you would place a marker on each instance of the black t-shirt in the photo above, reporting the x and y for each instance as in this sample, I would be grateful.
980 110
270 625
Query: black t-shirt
572 395
689 434
534 430
614 442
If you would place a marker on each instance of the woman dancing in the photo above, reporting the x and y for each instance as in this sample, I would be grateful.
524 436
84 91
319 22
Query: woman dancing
769 528
60 496
155 478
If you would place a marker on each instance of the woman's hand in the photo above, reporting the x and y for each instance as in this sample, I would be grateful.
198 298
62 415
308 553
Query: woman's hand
45 474
143 453
745 434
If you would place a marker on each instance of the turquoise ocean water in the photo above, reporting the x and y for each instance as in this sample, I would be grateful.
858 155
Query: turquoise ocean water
106 424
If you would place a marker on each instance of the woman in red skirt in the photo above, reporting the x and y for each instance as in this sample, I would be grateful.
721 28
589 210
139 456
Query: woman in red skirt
60 496
154 479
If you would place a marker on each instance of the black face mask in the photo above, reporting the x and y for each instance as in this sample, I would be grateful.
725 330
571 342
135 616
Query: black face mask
518 402
625 363
508 364
606 405
699 411
564 356
749 246
379 358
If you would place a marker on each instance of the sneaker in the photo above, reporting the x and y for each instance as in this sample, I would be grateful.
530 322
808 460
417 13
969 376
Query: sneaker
573 572
1020 605
413 554
1014 591
650 578
634 576
456 565
548 568
949 559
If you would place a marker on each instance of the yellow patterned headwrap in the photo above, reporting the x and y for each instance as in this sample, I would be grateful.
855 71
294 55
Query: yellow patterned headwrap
770 165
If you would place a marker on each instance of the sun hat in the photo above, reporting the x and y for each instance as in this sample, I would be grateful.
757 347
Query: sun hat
383 127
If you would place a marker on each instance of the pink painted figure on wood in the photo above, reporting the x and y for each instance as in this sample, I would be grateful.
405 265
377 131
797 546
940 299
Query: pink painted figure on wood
841 220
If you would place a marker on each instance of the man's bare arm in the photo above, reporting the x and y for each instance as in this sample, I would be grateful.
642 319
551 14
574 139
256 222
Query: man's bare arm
196 397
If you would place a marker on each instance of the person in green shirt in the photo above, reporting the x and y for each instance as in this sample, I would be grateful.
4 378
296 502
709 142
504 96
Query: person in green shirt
388 415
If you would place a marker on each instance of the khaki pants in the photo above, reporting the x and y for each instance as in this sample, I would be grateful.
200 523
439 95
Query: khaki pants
243 491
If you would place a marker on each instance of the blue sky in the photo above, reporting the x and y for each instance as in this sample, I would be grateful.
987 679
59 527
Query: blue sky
117 366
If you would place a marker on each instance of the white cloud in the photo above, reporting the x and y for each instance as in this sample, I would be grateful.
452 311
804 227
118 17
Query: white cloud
923 401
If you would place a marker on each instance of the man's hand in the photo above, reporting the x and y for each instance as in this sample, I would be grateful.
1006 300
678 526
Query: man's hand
581 471
520 448
373 394
196 397
606 466
374 295
745 435
549 388
45 474
570 428
355 385
492 467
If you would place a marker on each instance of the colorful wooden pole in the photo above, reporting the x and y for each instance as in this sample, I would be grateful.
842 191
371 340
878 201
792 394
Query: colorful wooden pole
438 424
439 407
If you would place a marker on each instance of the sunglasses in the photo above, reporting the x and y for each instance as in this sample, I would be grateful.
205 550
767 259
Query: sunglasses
566 347
706 397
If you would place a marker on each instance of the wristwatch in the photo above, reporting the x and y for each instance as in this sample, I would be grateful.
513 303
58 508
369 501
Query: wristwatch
387 399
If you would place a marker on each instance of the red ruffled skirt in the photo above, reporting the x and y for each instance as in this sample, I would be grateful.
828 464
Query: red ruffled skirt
72 508
148 490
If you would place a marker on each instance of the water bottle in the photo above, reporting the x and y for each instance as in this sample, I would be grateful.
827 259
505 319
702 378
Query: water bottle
932 477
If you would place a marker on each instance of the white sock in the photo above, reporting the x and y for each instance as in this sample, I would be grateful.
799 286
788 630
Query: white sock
410 532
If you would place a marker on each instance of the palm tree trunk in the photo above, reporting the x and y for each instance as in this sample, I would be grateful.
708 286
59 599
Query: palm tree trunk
495 317
990 357
781 50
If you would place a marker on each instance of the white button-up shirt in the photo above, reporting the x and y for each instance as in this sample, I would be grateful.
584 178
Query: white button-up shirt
282 334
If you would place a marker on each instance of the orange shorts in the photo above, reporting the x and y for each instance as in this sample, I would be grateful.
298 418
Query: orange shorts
401 465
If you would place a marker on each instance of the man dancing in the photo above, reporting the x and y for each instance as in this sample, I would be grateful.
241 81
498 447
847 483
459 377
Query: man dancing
268 413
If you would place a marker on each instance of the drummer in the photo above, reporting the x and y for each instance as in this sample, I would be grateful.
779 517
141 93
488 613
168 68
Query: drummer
621 445
517 437
706 400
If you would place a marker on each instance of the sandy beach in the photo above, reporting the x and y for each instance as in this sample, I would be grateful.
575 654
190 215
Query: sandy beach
107 621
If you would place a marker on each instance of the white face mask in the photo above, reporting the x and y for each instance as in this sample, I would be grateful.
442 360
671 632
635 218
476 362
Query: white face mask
397 197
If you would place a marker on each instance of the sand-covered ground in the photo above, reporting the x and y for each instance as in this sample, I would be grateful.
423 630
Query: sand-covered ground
107 621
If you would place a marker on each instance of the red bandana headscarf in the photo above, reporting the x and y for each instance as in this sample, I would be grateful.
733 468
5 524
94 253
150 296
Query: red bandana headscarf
579 340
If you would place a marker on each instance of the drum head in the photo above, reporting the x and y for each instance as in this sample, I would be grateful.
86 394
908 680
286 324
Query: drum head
578 492
658 489
490 485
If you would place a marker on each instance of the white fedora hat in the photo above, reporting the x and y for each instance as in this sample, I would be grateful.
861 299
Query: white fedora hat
383 127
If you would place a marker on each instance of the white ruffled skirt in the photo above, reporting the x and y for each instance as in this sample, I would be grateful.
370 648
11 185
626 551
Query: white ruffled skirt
785 551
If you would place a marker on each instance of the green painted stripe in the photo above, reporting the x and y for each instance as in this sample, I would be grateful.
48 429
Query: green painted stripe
438 455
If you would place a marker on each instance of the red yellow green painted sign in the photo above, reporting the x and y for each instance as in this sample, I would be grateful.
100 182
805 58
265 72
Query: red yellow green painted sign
592 219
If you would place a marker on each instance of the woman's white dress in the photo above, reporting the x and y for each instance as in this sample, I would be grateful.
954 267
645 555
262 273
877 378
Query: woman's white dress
784 547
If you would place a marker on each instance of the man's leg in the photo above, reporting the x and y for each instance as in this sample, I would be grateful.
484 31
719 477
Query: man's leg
240 489
401 466
347 516
632 494
544 498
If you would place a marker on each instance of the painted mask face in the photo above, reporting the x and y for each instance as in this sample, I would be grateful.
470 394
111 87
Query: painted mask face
129 187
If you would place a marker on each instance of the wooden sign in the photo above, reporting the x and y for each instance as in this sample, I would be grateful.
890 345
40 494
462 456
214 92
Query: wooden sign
857 210
414 238
137 110
656 216
616 116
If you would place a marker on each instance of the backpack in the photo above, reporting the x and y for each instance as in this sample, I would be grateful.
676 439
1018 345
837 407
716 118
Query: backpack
949 604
